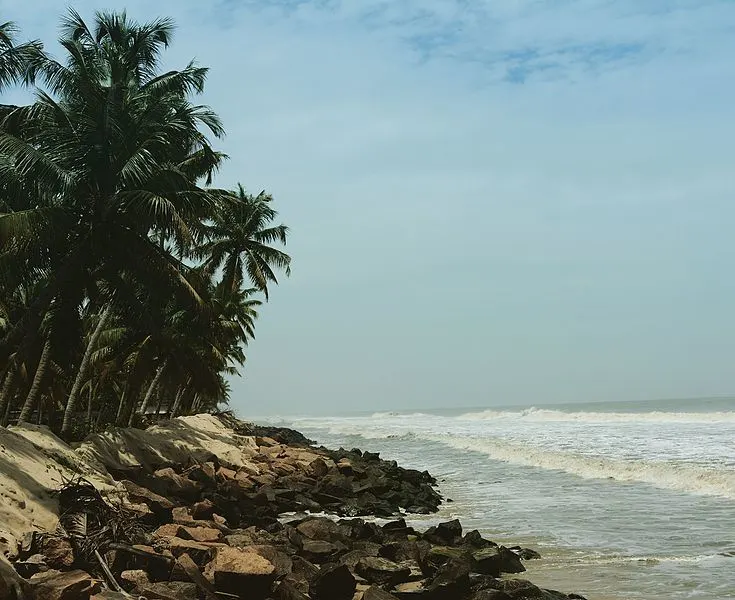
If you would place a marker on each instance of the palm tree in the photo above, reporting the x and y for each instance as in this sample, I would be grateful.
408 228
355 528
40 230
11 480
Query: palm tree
239 237
14 58
107 218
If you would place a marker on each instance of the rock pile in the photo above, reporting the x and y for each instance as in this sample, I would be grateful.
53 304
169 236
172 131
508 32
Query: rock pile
217 528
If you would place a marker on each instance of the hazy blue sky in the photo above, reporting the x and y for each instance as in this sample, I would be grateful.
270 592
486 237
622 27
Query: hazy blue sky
516 201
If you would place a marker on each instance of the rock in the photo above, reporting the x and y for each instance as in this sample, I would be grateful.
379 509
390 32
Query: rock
521 589
280 560
131 580
525 553
158 504
323 529
382 571
168 483
170 590
12 585
445 534
233 570
475 539
203 510
352 557
169 530
375 593
319 552
334 582
205 473
201 534
72 585
491 595
451 582
413 590
58 552
36 563
288 591
318 468
198 552
494 561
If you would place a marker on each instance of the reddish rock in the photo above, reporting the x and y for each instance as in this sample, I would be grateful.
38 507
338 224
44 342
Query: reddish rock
58 552
233 570
72 585
169 530
156 503
201 534
203 510
132 580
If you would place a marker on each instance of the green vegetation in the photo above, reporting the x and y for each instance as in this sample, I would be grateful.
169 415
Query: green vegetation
129 284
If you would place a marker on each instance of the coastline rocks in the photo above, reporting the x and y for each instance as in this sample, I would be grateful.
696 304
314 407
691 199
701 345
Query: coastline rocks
205 526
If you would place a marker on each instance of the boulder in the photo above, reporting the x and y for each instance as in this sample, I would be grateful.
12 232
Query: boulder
382 571
334 582
135 579
451 582
201 534
491 595
36 563
57 551
288 591
72 585
376 593
445 534
475 539
323 529
168 483
233 570
494 561
170 590
158 504
320 552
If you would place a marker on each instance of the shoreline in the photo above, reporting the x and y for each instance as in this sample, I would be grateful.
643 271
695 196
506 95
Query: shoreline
193 508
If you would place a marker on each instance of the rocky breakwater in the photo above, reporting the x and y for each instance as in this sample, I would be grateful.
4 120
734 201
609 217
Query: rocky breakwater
200 508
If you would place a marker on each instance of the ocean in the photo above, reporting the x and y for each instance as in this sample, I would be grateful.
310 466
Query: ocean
623 500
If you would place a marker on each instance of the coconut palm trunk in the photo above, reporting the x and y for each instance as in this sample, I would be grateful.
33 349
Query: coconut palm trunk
149 394
82 372
7 394
31 400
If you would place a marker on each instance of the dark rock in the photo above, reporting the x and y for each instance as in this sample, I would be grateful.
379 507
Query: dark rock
334 582
36 563
382 571
320 552
494 561
170 590
525 553
491 595
203 510
451 582
475 539
288 591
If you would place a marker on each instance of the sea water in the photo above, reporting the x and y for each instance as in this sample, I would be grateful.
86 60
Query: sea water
623 500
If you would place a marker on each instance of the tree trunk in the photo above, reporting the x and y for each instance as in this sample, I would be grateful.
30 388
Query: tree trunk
149 394
89 409
33 394
173 412
82 373
7 393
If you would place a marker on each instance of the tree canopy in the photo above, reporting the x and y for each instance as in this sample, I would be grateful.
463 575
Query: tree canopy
129 284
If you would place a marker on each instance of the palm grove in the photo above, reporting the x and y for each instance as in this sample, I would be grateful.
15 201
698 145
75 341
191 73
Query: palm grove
129 284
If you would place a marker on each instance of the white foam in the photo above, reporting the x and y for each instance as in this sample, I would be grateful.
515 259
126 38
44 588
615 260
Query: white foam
667 475
540 414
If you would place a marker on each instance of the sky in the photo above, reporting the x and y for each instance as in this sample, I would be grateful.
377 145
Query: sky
491 203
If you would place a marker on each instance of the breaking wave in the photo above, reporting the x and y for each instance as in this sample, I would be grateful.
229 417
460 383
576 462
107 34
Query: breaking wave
540 414
675 476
